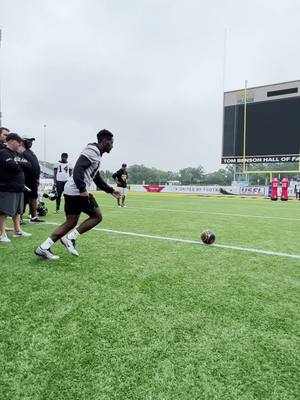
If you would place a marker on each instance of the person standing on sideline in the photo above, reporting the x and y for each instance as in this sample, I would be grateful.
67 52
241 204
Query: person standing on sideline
62 172
297 189
32 180
16 218
12 186
3 134
121 179
77 198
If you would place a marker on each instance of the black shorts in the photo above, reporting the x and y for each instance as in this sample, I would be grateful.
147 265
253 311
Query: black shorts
74 205
33 193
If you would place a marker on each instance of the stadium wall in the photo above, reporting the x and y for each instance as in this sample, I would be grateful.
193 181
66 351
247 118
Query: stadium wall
213 190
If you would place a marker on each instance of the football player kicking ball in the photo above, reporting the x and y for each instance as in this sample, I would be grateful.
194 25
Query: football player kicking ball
78 200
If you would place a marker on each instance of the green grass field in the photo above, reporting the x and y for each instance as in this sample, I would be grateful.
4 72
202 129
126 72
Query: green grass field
145 318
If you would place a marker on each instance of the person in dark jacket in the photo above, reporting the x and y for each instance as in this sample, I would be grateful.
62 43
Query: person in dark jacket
32 180
16 219
121 179
12 185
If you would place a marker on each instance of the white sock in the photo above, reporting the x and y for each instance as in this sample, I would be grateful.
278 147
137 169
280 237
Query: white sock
47 244
73 235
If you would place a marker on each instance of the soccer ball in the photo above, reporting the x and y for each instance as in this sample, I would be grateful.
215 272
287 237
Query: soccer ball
208 237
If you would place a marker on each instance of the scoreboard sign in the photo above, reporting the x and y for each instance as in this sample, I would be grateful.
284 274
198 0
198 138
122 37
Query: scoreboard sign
272 128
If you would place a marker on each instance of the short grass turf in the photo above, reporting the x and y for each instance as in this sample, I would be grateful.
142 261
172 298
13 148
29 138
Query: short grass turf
140 318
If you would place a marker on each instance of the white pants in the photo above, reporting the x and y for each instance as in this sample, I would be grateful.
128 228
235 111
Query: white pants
122 190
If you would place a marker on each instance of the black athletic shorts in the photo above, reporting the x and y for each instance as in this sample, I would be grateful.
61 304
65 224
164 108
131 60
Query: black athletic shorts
74 205
60 185
33 193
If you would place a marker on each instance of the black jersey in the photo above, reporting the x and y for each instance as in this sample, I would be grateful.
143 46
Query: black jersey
122 177
12 178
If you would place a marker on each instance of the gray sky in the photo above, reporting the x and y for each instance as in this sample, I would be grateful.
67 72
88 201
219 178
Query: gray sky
151 71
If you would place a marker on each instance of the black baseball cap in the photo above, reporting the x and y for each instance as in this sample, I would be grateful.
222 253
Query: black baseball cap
28 138
13 136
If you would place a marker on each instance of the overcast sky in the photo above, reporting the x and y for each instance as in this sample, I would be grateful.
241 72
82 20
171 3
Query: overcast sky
151 71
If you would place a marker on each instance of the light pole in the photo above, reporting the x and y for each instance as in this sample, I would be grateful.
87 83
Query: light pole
45 127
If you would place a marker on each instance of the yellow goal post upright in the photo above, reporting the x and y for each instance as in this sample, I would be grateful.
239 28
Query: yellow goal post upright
246 170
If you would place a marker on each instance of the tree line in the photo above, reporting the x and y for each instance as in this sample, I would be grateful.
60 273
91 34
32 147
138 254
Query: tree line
140 174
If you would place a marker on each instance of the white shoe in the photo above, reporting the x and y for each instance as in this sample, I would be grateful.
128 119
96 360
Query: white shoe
4 238
22 234
36 220
70 245
119 206
124 206
45 253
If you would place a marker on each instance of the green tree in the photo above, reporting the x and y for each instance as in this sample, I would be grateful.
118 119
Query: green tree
106 175
221 177
191 176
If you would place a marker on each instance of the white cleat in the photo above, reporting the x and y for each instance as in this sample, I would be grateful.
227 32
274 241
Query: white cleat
4 238
45 254
21 234
70 245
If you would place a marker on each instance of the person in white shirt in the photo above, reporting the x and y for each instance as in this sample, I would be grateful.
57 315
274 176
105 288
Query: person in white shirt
78 200
62 172
297 189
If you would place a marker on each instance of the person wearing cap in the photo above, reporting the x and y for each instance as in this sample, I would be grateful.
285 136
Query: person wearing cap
12 186
32 180
121 179
16 219
3 134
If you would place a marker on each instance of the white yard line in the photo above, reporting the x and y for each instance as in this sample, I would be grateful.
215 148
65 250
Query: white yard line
222 246
210 213
198 242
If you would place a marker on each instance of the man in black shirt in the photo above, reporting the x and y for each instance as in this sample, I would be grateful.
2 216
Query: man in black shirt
3 135
32 180
121 179
12 185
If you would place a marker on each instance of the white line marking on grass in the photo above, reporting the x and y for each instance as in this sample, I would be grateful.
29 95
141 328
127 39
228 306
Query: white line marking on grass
222 246
211 213
198 242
